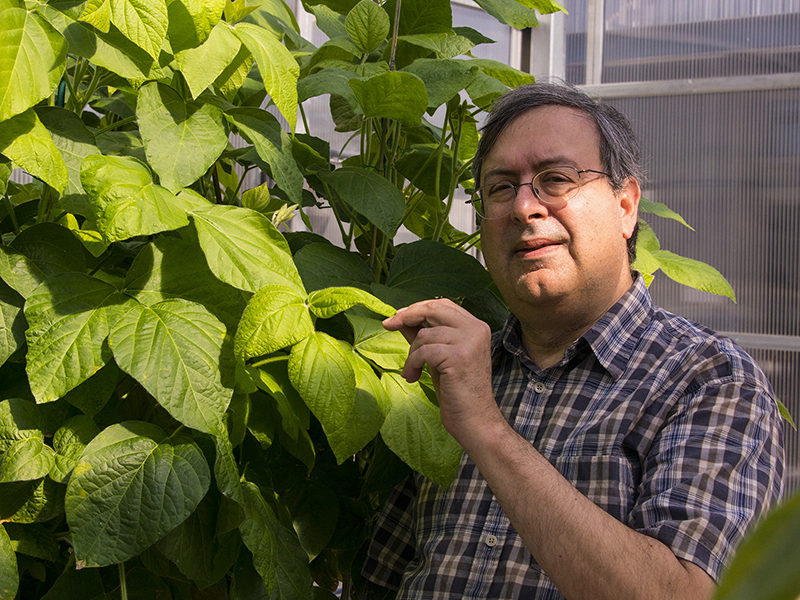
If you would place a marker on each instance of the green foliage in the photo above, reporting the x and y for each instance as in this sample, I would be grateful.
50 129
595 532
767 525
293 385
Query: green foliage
157 325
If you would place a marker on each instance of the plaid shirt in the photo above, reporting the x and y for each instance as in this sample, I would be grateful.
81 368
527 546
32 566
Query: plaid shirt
666 426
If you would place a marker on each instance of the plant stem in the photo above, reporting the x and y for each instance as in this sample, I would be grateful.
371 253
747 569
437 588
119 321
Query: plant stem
115 124
453 180
215 181
11 213
272 359
440 219
123 584
303 116
394 34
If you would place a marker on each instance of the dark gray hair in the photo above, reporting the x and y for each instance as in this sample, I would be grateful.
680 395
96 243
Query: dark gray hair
619 148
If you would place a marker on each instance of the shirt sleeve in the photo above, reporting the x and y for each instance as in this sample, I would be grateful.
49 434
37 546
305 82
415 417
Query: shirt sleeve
393 543
712 471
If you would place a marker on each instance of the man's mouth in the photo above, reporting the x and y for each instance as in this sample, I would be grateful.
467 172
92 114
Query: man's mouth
536 246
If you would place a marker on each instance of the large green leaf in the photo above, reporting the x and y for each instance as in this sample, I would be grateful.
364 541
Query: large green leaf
420 167
370 194
191 22
75 142
127 203
19 420
278 68
202 65
413 430
244 249
69 316
25 140
330 80
325 265
693 273
315 510
445 45
111 50
503 73
328 302
181 139
131 487
9 577
51 248
31 501
422 16
323 375
662 210
33 540
396 95
367 24
433 269
273 145
765 564
170 267
276 317
144 22
12 321
370 407
443 78
32 58
178 351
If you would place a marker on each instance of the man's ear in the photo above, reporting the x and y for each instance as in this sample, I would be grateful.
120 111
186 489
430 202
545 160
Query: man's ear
628 198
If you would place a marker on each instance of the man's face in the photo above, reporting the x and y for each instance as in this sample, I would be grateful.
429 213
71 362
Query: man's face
569 256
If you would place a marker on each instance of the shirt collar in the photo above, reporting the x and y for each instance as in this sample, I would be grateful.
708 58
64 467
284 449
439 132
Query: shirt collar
612 338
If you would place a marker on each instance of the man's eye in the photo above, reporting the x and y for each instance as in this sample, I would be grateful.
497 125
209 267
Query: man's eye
501 190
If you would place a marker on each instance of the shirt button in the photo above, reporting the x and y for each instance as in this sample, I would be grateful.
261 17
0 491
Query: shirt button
539 387
491 541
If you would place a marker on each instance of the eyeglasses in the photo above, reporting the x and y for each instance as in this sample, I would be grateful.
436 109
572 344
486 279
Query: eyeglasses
551 186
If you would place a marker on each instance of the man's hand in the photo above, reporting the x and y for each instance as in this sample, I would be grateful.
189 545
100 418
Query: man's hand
456 347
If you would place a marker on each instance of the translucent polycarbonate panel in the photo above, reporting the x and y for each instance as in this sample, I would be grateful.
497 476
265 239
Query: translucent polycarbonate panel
729 164
575 26
686 39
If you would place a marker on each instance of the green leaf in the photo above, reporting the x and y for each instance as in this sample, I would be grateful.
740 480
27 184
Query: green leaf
26 460
244 249
787 416
419 166
510 12
370 407
9 577
170 267
373 196
126 202
191 22
765 564
367 24
33 540
325 265
277 66
328 302
413 430
112 50
662 210
503 73
132 486
273 145
257 533
92 395
19 272
51 248
32 59
485 90
177 350
12 321
234 75
75 142
327 81
144 22
276 317
433 269
31 501
422 16
443 78
78 584
69 318
25 140
69 442
314 509
202 65
323 375
693 273
181 139
387 349
98 14
445 45
396 95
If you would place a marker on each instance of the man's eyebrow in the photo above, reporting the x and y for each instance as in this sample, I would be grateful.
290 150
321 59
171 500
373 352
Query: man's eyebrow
539 166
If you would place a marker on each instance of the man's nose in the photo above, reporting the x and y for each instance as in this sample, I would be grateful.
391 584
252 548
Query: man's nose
527 205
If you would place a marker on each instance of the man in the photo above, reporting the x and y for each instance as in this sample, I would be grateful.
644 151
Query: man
611 449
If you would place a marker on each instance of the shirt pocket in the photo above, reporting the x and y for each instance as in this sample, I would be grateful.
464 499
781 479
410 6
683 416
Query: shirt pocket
605 479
